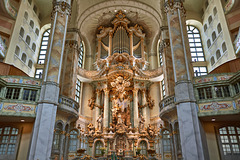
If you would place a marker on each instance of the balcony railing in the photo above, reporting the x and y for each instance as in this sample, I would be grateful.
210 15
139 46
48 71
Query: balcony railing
69 102
167 101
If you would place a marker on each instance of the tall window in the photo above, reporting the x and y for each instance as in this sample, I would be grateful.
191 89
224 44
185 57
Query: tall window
200 71
160 54
229 138
9 137
12 93
38 73
73 141
195 43
143 146
205 93
166 142
57 134
163 89
78 89
98 146
43 48
80 56
29 95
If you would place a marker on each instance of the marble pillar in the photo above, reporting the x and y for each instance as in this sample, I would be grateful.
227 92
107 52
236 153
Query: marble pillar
106 110
189 125
135 107
42 137
70 63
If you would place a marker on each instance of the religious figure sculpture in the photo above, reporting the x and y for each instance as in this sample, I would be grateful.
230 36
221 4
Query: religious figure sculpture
150 130
91 103
141 124
99 123
91 129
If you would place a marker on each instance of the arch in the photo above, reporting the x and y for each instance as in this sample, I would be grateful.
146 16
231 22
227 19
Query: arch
166 139
224 47
17 50
205 27
195 43
34 47
209 20
24 57
214 36
218 54
73 140
31 24
97 149
26 15
212 60
144 147
35 9
30 63
219 28
214 11
21 32
209 43
43 47
28 40
206 4
37 31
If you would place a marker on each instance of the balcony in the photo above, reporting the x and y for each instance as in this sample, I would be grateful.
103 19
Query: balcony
218 95
68 106
167 108
19 96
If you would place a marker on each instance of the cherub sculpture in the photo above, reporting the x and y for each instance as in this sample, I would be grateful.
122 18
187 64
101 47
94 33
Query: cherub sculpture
91 129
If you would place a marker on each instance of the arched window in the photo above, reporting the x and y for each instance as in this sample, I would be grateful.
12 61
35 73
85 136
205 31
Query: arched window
214 11
26 15
224 47
205 27
209 20
212 61
229 142
143 146
28 40
98 146
17 50
30 1
206 4
37 31
78 90
31 24
214 36
73 141
24 57
218 54
195 43
219 28
9 142
35 9
166 142
160 54
34 47
21 32
80 56
209 43
57 134
30 63
43 48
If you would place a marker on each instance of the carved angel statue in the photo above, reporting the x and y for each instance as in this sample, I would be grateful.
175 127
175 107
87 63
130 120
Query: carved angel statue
91 103
91 129
120 84
99 124
150 130
141 124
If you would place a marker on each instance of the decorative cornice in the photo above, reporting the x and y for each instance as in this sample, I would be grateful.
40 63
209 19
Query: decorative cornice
61 7
170 7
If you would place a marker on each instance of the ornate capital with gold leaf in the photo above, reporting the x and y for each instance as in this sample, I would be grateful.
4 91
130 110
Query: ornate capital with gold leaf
172 6
61 7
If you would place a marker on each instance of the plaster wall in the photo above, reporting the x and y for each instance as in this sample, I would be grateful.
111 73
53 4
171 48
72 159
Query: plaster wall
86 95
155 94
17 40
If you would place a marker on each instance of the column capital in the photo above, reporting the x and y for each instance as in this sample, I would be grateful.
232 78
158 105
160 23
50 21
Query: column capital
171 6
61 7
106 90
71 44
98 91
135 90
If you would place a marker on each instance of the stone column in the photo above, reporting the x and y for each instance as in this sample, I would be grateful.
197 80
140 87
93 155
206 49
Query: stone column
189 125
66 146
42 138
70 65
110 43
62 144
106 109
142 48
99 48
146 114
97 110
131 42
135 107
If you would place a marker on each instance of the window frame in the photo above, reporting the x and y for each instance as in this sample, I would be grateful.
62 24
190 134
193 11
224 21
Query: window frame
43 52
78 90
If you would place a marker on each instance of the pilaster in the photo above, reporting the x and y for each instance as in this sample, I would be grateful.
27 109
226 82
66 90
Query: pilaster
106 109
135 106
